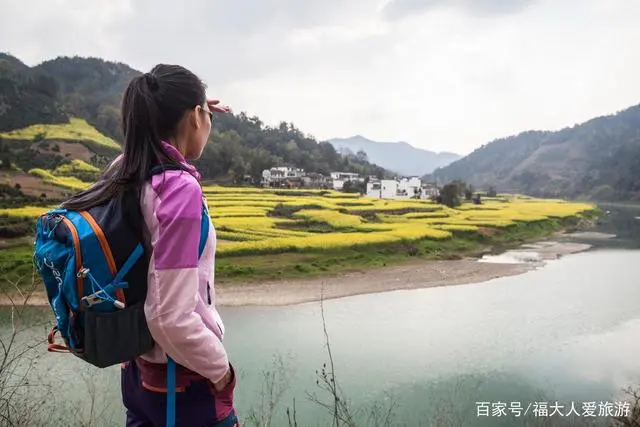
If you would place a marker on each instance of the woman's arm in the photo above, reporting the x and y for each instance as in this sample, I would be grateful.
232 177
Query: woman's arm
174 281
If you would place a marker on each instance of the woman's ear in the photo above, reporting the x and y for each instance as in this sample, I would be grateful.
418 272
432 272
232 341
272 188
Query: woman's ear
196 117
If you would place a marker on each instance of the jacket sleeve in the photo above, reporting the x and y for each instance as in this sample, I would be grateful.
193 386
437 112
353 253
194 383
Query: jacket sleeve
172 293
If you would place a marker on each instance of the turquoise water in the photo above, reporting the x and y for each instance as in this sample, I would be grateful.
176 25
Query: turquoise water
566 332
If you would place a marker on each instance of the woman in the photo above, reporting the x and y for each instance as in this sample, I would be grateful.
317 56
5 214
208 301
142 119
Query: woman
166 121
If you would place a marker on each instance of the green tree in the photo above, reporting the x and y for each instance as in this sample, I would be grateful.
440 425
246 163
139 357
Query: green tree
259 159
468 193
354 187
450 194
238 169
362 156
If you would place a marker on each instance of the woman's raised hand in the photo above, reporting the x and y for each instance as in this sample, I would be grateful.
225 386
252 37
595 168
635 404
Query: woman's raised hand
216 108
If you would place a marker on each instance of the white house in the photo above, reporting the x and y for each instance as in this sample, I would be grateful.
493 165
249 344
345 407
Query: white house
290 172
383 189
277 174
316 180
399 189
430 190
409 188
339 178
374 189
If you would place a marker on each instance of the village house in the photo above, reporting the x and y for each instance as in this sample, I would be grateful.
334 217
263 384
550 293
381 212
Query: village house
286 176
402 188
339 178
430 190
277 176
316 180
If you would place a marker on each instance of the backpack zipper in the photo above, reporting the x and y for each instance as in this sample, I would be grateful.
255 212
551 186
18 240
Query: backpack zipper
208 293
76 247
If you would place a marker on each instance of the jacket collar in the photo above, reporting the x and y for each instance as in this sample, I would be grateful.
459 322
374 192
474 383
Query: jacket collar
177 156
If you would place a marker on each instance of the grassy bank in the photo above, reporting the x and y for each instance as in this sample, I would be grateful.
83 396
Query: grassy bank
16 265
313 264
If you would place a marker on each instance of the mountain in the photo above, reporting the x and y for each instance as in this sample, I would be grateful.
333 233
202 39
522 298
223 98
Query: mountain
598 159
27 96
400 157
53 106
91 88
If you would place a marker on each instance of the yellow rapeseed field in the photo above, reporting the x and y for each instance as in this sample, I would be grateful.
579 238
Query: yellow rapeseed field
25 211
327 241
456 227
61 181
257 221
333 218
76 130
76 165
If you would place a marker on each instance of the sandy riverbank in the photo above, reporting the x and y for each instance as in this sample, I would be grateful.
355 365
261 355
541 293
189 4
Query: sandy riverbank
421 274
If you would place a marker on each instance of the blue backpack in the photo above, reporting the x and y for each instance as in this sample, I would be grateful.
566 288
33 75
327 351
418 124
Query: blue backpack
94 267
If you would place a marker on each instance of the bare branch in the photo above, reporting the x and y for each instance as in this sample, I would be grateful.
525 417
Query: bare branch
17 391
275 382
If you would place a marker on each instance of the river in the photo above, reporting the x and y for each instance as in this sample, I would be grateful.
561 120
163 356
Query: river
563 334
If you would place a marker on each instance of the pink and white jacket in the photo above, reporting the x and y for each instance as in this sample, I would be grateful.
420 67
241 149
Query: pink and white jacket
180 304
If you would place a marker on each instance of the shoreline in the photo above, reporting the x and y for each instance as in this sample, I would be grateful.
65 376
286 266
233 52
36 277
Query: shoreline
413 275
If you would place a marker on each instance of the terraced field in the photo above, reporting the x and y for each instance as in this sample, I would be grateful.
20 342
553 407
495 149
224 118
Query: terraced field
257 221
264 233
75 130
269 221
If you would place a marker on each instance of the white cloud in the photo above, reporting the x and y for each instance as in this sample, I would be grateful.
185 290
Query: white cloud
398 9
442 76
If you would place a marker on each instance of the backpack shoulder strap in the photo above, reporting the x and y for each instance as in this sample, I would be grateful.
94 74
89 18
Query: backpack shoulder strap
204 230
171 364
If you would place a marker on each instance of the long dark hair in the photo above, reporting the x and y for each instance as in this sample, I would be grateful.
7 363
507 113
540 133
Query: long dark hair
152 106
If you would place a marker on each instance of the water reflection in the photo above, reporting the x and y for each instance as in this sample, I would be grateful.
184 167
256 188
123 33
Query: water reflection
620 219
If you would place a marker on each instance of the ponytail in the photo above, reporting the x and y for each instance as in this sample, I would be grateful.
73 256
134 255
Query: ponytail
152 106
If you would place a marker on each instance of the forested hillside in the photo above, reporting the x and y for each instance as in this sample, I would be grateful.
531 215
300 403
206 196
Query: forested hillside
27 96
89 89
598 159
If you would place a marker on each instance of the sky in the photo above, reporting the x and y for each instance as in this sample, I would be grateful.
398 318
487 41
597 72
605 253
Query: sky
444 75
